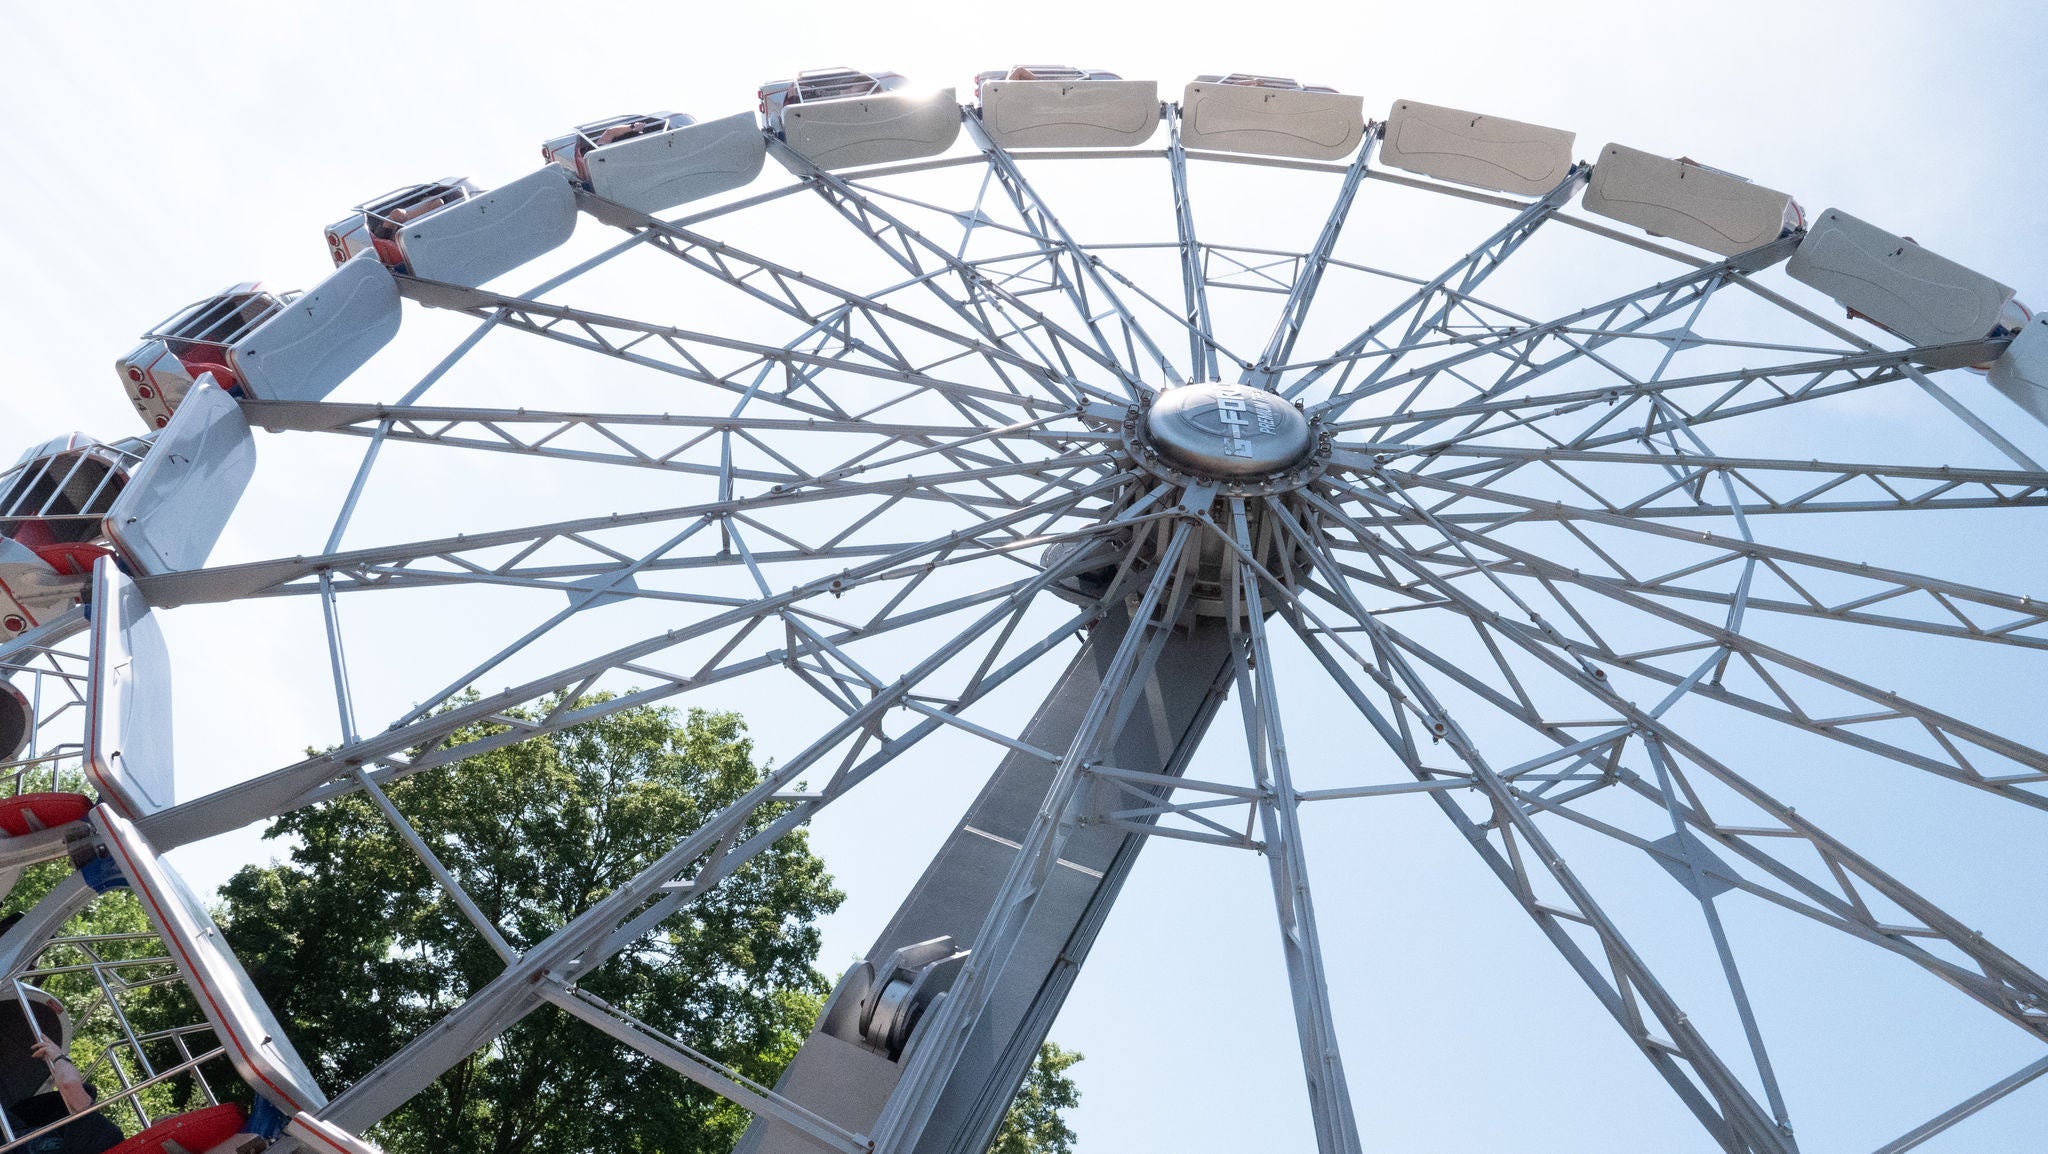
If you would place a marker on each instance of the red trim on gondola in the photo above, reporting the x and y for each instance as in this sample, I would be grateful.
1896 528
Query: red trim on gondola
71 558
34 533
222 375
195 1132
25 813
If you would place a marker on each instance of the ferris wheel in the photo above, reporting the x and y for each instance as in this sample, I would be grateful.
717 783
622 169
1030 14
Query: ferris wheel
1194 470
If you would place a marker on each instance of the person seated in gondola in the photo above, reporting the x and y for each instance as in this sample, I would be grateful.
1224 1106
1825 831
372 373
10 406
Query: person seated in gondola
384 226
574 151
85 1133
639 126
392 218
32 1057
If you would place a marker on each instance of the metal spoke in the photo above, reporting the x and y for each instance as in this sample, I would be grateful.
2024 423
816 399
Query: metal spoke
1519 852
1075 269
903 244
2015 614
1956 408
395 565
593 936
1469 272
778 285
1612 319
2001 982
1950 732
309 780
1194 287
1329 1093
683 352
1266 373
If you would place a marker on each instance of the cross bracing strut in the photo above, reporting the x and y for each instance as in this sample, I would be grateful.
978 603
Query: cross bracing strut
1625 986
904 245
683 352
263 577
1302 294
1613 318
1075 269
2001 983
1733 393
582 944
1953 735
1468 273
1194 281
284 788
1279 816
1787 708
784 289
2001 617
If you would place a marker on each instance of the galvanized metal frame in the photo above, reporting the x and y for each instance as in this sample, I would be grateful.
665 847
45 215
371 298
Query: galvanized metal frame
1421 504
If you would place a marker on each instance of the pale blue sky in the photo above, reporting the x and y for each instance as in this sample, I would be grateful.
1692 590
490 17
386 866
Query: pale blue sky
161 153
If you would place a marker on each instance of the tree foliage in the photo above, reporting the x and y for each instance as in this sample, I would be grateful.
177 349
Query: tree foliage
358 949
1036 1123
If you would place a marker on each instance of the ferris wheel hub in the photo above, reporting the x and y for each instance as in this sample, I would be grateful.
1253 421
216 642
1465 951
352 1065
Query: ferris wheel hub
1226 432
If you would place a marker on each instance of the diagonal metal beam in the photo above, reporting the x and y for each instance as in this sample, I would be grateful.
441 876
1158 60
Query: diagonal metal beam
1287 865
1610 320
904 244
1194 284
746 272
1280 345
2008 987
949 1024
1625 986
580 945
1468 272
1069 258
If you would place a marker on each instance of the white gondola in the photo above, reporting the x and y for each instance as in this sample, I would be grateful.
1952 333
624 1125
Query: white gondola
17 721
289 347
191 343
570 150
325 333
839 118
452 232
1039 106
1688 201
174 508
372 227
1482 151
672 160
1888 279
56 493
51 505
128 706
32 591
254 1041
2021 373
492 233
1270 116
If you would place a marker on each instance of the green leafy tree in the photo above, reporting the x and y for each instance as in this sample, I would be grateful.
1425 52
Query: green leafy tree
357 949
1036 1123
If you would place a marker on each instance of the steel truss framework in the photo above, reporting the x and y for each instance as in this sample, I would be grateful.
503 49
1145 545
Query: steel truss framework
1521 562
